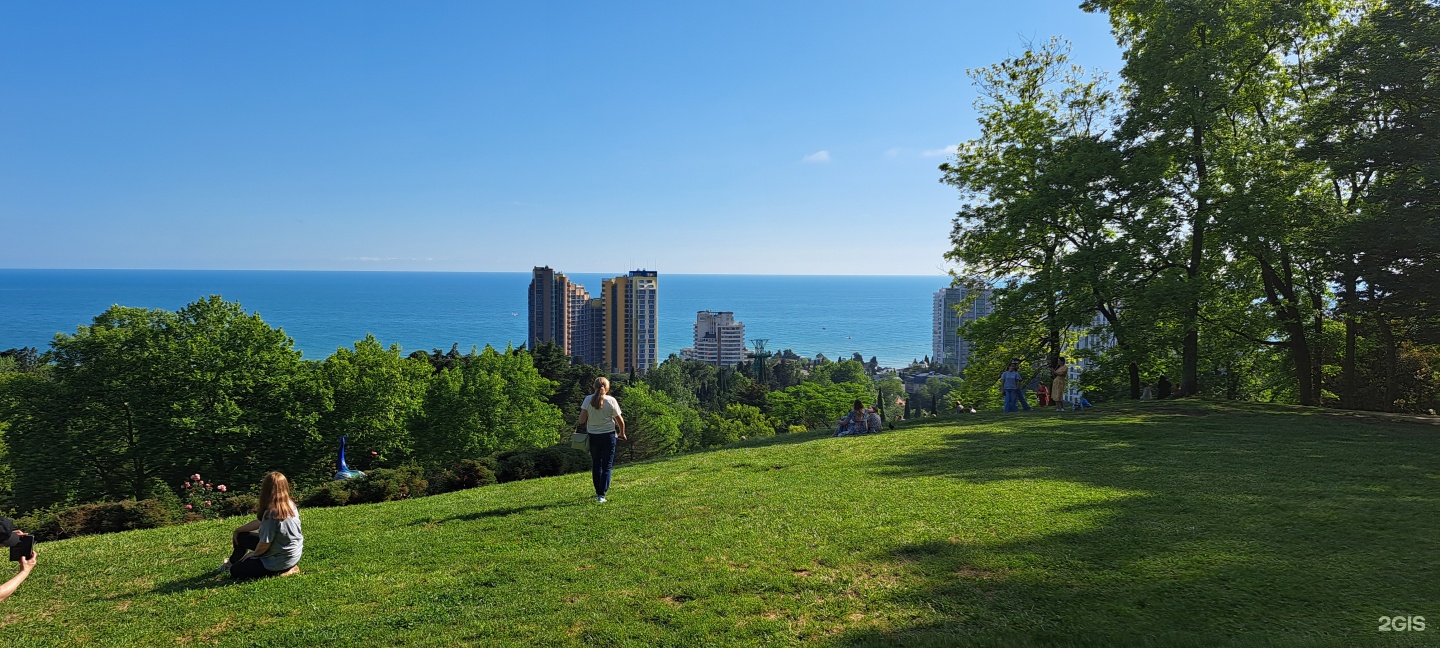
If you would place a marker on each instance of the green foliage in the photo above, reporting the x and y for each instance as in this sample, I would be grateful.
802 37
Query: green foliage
372 394
389 484
534 463
817 405
737 422
379 485
144 394
572 381
492 402
58 523
466 473
652 422
239 504
7 475
851 371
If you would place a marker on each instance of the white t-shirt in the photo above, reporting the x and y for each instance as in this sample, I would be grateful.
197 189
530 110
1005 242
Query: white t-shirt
603 421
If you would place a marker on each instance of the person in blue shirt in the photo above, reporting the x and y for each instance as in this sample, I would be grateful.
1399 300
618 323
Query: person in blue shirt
1010 385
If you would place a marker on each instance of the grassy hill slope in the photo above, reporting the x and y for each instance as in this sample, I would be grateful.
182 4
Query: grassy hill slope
1158 525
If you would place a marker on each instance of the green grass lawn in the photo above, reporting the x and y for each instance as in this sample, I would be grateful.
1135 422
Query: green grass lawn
1151 525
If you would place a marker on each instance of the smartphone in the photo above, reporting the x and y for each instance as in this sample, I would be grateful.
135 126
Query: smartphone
22 549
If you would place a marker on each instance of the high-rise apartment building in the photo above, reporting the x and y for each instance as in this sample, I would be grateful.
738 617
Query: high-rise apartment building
719 339
947 346
559 309
588 342
549 308
631 321
617 330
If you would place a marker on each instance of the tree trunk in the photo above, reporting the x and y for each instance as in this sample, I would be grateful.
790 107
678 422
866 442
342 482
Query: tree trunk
1280 294
1348 396
1190 348
1134 381
1387 338
1317 366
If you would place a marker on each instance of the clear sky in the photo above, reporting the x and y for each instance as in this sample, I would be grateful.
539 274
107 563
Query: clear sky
690 137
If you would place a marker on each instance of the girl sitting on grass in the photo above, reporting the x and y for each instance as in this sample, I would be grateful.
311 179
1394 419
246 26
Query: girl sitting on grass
271 544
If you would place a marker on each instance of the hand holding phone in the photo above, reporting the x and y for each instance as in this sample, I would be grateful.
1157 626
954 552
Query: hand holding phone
22 549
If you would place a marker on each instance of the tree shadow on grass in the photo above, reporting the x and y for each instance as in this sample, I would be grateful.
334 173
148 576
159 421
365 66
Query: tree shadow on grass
492 513
1232 529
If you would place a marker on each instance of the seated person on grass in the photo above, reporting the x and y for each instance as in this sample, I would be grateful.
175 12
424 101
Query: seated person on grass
12 537
271 544
854 421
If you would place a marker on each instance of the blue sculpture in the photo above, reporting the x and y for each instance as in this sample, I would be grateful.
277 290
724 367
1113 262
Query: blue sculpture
344 471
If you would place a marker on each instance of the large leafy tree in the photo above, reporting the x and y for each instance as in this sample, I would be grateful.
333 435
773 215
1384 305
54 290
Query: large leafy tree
143 397
653 422
1058 213
1200 77
372 394
490 402
1374 120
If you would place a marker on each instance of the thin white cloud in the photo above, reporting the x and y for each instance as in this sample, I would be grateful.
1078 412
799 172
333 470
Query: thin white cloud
893 153
949 150
818 157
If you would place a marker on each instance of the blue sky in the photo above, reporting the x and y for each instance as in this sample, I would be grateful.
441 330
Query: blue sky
687 137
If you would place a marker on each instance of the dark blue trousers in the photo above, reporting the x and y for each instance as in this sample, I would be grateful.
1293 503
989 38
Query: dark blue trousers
602 461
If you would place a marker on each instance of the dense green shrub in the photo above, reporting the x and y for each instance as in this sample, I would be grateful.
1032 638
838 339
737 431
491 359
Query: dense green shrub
389 484
532 463
379 485
242 504
58 523
466 473
333 493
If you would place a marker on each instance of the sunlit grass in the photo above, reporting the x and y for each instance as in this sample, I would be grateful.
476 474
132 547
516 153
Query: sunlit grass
1151 526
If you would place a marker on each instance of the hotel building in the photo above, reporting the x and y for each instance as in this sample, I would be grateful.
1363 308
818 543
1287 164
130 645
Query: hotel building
631 321
953 307
719 339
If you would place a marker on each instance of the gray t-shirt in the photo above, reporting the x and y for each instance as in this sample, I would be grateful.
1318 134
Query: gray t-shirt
285 540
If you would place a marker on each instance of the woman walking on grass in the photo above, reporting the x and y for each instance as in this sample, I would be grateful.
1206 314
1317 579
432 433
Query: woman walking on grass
600 414
271 544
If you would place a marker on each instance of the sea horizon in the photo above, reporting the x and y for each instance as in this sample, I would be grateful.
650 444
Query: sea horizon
882 316
524 272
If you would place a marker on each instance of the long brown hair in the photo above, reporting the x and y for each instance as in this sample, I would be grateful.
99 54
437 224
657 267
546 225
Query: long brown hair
275 497
597 401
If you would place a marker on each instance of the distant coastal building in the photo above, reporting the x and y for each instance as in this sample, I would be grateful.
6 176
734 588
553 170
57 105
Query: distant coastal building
631 321
719 339
953 307
617 330
553 313
588 343
1090 341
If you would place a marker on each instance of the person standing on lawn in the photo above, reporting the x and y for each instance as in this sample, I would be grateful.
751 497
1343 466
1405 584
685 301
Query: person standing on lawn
271 544
1057 387
600 414
1010 386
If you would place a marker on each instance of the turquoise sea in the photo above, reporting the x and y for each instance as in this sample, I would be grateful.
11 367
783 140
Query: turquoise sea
883 316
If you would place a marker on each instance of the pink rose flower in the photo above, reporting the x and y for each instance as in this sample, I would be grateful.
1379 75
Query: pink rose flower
207 502
220 488
186 485
374 453
188 507
195 477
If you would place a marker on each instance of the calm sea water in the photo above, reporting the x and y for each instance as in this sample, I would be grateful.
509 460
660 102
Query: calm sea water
886 317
